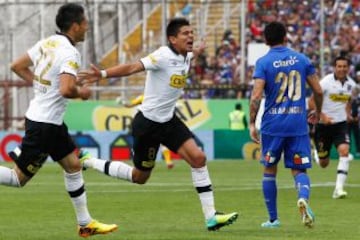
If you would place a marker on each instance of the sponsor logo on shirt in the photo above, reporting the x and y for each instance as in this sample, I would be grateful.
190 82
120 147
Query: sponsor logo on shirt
339 97
178 81
285 63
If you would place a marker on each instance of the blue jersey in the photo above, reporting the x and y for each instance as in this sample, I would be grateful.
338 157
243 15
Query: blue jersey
284 72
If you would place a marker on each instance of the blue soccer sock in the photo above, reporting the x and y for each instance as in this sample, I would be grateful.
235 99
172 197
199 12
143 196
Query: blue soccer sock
270 194
302 183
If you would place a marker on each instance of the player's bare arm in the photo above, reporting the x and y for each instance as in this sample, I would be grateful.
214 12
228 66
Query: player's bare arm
94 73
316 100
21 67
255 101
348 111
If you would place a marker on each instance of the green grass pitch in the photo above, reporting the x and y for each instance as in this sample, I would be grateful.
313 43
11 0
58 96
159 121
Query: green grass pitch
167 207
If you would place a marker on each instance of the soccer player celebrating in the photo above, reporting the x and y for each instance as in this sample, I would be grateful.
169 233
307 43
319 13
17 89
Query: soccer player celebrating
282 75
333 125
156 122
56 63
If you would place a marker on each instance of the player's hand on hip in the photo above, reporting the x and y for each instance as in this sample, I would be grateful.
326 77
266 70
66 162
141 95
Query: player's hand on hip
313 117
325 119
85 92
254 134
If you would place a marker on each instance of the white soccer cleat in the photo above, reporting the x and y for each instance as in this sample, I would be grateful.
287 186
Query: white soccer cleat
339 194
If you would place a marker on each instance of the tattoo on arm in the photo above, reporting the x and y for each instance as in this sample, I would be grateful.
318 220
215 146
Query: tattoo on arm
254 108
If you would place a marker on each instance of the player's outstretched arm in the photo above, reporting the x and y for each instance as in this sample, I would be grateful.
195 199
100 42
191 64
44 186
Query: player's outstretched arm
94 73
90 75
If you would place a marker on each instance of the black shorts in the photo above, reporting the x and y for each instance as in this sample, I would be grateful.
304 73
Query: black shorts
40 141
148 135
326 135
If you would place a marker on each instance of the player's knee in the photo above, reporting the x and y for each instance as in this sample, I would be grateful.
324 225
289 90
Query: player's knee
139 180
324 162
22 184
140 177
73 167
198 160
19 179
22 180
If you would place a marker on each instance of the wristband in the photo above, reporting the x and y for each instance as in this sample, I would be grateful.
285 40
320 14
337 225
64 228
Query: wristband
103 73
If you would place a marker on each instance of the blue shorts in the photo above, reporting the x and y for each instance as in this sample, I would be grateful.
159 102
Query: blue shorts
296 150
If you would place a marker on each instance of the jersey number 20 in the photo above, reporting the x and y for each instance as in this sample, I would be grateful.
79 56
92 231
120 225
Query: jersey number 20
290 86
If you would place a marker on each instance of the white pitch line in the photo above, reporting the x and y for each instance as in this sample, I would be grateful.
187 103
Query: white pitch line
159 187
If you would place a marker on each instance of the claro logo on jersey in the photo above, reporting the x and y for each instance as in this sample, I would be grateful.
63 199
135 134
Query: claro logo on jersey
290 62
178 81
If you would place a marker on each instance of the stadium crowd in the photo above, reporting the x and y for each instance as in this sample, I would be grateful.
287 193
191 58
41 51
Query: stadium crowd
303 20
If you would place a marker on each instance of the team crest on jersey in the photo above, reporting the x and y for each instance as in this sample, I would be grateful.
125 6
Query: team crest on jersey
73 65
268 158
300 160
178 81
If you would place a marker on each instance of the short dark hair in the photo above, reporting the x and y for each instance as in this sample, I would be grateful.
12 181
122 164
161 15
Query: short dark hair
238 106
68 14
275 33
174 26
342 58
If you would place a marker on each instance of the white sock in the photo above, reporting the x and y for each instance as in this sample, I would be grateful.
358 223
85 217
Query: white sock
201 181
8 177
316 157
119 170
115 169
342 171
90 162
74 184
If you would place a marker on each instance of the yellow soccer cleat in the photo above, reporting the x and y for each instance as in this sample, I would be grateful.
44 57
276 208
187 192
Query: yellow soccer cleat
95 227
83 157
220 220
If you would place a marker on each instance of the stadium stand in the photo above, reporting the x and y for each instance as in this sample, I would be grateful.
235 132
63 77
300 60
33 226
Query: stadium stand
23 22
